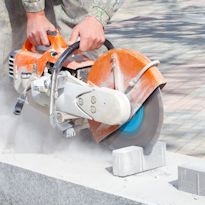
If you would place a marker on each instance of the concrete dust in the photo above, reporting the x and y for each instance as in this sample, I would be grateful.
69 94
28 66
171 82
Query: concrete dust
31 132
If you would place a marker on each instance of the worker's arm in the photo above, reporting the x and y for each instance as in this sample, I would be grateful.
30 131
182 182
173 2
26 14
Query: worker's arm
103 10
91 29
33 5
37 23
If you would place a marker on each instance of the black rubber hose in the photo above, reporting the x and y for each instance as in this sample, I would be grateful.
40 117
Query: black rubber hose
58 65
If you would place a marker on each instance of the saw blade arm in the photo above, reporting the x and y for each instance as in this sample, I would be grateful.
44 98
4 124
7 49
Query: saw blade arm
81 100
56 70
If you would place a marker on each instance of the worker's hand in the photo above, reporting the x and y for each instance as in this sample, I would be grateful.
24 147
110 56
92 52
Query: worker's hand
37 27
91 34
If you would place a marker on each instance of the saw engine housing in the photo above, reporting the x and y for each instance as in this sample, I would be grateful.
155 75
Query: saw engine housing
78 92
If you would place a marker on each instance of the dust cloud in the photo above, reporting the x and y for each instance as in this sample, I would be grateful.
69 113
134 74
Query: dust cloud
31 132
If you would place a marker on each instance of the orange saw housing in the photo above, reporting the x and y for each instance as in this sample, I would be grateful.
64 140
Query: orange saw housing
101 73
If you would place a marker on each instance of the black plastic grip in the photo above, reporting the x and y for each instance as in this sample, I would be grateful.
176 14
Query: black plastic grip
52 33
19 105
42 48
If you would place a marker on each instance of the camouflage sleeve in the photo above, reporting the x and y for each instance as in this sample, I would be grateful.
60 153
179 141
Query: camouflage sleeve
104 9
33 5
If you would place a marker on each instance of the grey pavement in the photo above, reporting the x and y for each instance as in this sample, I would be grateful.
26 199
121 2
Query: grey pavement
173 32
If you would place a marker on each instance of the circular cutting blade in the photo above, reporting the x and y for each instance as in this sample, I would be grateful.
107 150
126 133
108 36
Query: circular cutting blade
116 69
143 129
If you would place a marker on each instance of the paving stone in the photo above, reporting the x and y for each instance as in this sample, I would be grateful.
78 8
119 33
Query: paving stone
191 178
131 160
127 161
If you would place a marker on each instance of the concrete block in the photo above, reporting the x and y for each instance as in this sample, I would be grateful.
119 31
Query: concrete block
187 180
191 178
131 160
157 158
22 187
127 161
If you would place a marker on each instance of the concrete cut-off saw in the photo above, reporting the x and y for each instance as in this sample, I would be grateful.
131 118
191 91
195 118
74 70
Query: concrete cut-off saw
117 96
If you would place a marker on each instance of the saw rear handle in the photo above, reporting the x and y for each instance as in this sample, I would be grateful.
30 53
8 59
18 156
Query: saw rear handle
56 42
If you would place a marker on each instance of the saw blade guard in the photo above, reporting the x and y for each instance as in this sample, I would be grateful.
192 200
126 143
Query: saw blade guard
137 77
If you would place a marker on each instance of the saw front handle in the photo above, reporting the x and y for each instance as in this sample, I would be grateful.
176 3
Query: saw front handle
56 43
58 65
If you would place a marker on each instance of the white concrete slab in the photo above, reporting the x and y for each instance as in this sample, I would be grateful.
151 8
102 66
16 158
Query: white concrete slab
44 179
